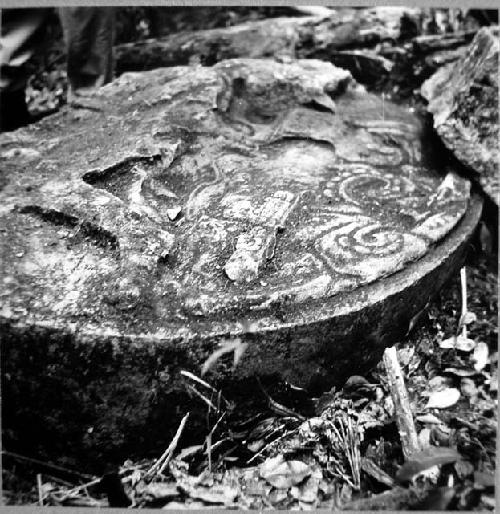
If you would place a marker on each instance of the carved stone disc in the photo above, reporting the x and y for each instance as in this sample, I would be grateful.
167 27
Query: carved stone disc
274 206
193 198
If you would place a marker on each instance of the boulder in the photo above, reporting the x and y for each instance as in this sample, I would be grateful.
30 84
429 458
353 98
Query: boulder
463 99
277 208
318 35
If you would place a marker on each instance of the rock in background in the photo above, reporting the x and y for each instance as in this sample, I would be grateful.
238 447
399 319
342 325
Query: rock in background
463 98
391 49
319 35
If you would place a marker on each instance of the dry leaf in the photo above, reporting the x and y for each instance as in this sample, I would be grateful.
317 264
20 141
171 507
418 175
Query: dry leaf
447 344
461 372
217 494
464 468
424 438
270 464
370 468
465 344
485 239
468 387
462 343
190 450
484 479
438 382
480 356
467 319
489 501
174 212
306 492
159 490
429 419
422 461
277 496
438 499
284 474
443 399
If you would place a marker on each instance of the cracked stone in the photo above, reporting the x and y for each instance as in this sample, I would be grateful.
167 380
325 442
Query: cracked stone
246 150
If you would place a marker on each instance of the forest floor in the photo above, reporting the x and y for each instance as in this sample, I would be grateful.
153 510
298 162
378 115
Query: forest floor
348 454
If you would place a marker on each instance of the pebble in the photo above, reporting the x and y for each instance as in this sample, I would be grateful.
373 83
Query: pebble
173 213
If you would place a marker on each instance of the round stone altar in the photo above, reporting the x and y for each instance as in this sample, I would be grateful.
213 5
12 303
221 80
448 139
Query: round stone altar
274 202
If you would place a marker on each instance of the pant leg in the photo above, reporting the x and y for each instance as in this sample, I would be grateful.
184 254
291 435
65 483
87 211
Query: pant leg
89 34
21 33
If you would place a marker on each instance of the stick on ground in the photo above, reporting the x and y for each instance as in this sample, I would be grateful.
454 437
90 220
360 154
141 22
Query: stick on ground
160 465
404 416
39 484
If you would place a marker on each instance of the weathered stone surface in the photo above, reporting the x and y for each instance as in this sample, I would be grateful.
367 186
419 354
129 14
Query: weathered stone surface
309 36
278 203
365 66
437 43
463 97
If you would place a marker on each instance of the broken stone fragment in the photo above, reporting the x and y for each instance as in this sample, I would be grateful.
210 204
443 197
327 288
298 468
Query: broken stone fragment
427 44
292 37
252 248
463 98
365 66
174 212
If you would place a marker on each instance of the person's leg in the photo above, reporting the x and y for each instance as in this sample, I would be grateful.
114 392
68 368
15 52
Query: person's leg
21 33
89 35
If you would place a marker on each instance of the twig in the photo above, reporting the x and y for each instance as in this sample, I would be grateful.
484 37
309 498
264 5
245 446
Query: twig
193 377
40 490
204 398
347 436
404 416
209 441
268 445
47 465
209 451
463 284
159 466
277 407
82 486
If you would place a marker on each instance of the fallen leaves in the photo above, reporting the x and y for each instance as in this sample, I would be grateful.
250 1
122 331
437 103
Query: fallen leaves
429 419
443 399
339 456
283 474
424 460
464 344
371 469
480 356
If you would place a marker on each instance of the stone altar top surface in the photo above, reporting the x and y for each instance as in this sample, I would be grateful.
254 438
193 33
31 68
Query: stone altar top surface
205 193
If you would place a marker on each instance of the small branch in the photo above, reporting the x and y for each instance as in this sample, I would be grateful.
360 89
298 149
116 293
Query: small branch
160 465
404 416
463 283
46 465
40 489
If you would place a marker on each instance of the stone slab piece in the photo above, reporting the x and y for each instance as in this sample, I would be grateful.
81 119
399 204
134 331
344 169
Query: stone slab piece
463 98
428 44
366 66
312 225
306 36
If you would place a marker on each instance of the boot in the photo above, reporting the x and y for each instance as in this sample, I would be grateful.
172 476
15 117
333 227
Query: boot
13 110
